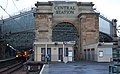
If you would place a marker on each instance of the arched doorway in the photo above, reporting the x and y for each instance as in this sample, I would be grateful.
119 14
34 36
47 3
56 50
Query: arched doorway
66 32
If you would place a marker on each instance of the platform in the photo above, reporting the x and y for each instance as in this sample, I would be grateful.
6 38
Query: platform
76 68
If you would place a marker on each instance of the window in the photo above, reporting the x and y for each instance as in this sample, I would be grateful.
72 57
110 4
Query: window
100 53
43 54
64 32
104 37
66 52
60 54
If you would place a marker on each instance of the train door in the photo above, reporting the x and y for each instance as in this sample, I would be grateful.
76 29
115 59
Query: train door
60 54
43 54
49 53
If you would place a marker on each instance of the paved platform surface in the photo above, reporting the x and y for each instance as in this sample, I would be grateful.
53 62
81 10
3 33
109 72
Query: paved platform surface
76 68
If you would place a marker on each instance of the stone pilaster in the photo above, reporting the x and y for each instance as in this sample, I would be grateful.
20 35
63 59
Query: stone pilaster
89 29
43 22
43 31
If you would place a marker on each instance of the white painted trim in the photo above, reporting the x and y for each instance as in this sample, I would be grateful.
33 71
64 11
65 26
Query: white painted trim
46 50
63 49
42 69
105 43
35 43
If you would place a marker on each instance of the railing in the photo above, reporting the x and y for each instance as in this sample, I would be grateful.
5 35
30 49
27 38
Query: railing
114 69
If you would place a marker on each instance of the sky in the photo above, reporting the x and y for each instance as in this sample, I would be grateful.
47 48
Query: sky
108 8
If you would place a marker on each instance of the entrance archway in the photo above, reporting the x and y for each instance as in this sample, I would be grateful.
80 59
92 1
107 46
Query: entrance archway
64 32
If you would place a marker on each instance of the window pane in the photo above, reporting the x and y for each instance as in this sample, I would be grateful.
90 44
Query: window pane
100 53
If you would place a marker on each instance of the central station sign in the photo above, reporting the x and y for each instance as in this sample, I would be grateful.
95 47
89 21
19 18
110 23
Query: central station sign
64 9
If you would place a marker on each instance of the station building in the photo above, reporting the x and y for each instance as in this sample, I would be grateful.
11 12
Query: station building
71 31
63 30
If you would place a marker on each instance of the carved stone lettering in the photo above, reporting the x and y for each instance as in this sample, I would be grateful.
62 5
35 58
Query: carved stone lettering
64 9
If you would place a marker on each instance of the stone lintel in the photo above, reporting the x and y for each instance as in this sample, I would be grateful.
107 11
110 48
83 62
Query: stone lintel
43 30
42 13
88 14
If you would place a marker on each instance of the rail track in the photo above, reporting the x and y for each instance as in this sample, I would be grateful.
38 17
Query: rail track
20 66
11 65
11 68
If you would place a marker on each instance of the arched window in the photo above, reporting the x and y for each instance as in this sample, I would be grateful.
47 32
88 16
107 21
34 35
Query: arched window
104 37
64 32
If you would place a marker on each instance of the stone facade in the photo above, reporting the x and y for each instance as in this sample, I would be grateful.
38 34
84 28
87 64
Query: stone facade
43 27
89 28
79 14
